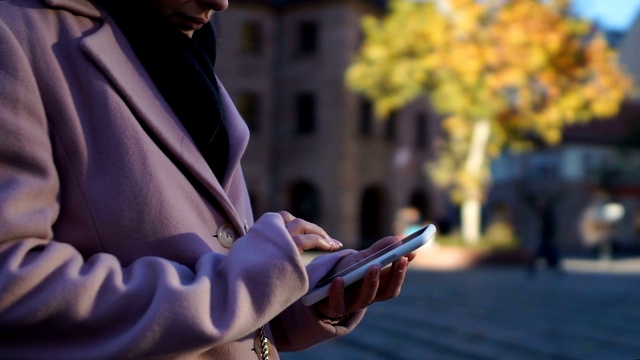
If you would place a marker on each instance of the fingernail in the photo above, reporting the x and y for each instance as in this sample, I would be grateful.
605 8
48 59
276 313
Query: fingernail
334 242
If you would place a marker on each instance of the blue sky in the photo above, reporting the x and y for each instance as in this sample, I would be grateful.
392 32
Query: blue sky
610 14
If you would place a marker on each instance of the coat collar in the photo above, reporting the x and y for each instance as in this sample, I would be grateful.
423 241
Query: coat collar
80 7
112 54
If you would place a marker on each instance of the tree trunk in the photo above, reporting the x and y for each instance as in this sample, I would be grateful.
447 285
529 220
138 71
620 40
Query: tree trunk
470 217
476 158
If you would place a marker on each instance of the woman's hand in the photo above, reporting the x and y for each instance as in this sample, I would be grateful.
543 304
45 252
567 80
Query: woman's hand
376 285
308 236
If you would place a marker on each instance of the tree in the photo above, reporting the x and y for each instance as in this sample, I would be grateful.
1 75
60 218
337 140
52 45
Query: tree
500 72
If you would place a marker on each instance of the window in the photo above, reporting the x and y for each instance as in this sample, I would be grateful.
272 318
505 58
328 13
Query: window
250 38
366 117
305 201
372 205
249 107
307 38
544 165
421 131
305 113
390 127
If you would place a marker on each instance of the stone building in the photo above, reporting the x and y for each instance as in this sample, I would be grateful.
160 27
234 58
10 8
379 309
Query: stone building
318 151
316 148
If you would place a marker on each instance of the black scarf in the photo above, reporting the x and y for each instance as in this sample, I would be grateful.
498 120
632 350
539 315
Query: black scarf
182 68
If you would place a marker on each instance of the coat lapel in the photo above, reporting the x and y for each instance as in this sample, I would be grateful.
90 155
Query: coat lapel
238 133
111 52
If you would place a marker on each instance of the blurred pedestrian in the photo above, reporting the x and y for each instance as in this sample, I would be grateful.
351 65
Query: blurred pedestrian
599 222
546 249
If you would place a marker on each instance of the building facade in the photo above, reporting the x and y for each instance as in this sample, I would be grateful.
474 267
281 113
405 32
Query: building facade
317 149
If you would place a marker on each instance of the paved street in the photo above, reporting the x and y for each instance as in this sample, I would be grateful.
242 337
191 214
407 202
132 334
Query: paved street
592 311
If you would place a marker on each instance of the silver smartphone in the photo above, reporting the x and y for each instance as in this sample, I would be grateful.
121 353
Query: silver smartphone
382 257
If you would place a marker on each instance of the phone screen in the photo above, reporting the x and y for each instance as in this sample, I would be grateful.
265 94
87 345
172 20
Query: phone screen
329 278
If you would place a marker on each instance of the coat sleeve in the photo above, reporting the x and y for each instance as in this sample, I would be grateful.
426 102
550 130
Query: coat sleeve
55 303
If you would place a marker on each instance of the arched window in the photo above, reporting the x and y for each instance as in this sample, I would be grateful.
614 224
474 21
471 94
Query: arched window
373 220
305 201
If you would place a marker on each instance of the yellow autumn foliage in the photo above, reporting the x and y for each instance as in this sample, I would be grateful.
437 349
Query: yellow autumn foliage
526 65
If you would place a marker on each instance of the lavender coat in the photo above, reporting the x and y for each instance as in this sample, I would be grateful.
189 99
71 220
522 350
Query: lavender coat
108 211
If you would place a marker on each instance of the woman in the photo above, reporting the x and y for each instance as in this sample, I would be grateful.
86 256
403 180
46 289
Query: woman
125 222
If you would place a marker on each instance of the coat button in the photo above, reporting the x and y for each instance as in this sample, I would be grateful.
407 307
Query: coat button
227 235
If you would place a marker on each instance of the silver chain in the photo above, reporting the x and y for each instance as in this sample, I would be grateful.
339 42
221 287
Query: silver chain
264 344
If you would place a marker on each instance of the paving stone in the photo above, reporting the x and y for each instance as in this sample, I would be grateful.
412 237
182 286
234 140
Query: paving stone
591 311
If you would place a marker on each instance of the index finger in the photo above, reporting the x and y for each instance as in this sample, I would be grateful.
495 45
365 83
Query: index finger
298 226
